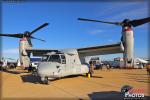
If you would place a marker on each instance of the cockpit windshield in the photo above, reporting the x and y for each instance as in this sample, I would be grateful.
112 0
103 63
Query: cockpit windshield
55 58
45 58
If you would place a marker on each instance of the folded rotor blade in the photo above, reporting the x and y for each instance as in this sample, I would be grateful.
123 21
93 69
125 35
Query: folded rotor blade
116 23
13 35
138 22
37 38
40 27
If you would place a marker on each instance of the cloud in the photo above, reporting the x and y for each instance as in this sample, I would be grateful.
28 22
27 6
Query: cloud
135 13
94 32
120 10
110 40
114 7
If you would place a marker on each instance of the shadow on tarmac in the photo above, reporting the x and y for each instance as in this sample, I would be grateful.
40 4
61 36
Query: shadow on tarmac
30 78
36 79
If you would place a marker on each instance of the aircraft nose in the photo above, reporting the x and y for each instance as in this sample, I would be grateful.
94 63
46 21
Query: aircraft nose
46 68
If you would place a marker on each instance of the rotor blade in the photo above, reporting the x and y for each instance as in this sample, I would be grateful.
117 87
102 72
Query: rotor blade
116 23
37 38
13 35
45 24
138 22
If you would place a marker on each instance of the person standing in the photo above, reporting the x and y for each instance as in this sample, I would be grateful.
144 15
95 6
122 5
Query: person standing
91 68
148 68
108 66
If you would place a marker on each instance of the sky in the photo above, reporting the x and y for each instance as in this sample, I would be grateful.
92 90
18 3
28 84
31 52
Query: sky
65 31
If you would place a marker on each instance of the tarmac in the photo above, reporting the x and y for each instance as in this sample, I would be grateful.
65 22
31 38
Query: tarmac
105 84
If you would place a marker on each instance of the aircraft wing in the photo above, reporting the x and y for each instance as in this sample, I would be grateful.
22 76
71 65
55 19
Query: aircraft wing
39 52
101 50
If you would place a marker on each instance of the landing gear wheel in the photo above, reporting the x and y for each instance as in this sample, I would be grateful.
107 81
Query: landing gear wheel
86 74
46 81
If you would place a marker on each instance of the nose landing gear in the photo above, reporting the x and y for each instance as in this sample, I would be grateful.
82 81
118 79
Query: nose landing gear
45 80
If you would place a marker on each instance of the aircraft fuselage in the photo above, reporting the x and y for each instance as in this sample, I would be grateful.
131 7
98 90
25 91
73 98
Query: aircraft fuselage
60 65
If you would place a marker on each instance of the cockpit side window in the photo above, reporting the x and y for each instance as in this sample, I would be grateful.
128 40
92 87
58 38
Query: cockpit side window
63 59
45 58
54 58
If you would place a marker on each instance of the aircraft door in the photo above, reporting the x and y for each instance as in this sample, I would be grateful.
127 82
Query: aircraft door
63 64
59 71
76 69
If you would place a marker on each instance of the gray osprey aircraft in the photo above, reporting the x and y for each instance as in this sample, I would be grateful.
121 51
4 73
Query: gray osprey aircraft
71 61
127 38
67 62
64 62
